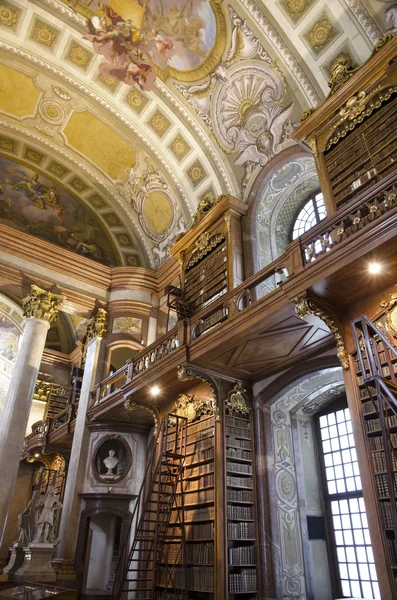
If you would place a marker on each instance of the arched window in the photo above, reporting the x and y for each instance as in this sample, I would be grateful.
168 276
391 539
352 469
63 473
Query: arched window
311 213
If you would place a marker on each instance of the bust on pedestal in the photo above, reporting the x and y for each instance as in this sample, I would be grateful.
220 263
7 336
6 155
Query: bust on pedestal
111 463
37 526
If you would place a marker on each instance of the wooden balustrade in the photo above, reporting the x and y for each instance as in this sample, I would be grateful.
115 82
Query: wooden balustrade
365 209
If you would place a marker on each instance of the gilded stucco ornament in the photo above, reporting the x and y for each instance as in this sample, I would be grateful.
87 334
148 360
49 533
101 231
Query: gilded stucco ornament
155 204
187 406
341 70
96 325
354 106
308 306
41 304
236 401
131 406
203 207
204 244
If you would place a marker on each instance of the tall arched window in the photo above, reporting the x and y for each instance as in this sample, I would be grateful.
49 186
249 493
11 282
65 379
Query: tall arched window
311 213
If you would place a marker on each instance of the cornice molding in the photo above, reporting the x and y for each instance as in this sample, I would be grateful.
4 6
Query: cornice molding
363 17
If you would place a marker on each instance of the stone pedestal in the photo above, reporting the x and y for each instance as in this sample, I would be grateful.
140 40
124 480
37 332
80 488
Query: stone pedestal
16 560
37 564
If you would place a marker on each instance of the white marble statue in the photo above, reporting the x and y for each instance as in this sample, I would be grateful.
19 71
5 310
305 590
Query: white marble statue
27 521
111 462
49 506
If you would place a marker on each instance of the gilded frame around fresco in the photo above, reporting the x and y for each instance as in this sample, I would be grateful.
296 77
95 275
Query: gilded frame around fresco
212 59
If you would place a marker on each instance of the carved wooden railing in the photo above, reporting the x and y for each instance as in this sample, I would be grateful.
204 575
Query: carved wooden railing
365 209
141 362
234 302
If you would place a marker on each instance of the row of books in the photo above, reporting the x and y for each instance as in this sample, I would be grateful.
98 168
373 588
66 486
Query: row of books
200 514
238 422
242 582
383 485
196 484
199 497
201 579
246 482
385 509
234 511
240 531
200 554
392 551
376 443
201 425
239 495
379 462
369 407
199 470
242 555
233 443
237 453
237 431
204 531
374 424
239 467
200 455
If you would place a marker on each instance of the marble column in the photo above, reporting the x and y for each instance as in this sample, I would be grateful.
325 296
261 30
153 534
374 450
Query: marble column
41 310
70 517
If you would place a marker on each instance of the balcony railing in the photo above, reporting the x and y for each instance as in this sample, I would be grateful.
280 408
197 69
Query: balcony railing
365 209
320 240
141 362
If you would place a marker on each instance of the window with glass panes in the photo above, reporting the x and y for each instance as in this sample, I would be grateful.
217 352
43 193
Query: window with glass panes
345 506
311 213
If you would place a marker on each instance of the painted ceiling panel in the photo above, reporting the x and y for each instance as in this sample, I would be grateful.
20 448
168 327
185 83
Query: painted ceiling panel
18 94
31 203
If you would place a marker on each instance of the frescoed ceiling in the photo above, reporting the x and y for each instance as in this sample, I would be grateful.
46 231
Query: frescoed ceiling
135 111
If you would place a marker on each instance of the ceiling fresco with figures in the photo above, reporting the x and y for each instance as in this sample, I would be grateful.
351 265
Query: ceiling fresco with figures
118 117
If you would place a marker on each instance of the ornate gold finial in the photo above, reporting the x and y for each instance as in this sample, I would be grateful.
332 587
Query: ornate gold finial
236 401
308 306
187 406
341 70
204 206
382 41
41 304
307 114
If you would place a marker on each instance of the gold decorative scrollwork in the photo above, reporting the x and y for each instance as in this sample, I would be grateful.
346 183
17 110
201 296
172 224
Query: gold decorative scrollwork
187 406
341 70
236 401
354 106
131 405
41 304
204 244
305 306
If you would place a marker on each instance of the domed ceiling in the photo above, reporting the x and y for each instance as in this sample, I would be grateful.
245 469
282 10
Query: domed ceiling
118 117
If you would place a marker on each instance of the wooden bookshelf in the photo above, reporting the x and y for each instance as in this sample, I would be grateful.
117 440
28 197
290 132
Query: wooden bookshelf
377 452
240 507
352 134
366 155
196 569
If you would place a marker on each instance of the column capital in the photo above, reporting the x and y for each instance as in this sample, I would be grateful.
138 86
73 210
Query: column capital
40 304
95 327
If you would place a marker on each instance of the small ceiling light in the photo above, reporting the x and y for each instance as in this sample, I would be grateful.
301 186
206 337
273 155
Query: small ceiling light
374 268
155 390
36 455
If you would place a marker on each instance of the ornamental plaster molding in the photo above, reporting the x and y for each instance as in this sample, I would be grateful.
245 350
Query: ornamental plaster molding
231 189
305 391
65 12
104 104
367 23
245 44
288 57
81 167
141 183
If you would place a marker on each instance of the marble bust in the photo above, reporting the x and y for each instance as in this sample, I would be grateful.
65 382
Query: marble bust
110 462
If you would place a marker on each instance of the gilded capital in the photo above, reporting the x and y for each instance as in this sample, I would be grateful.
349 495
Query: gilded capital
96 326
41 304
